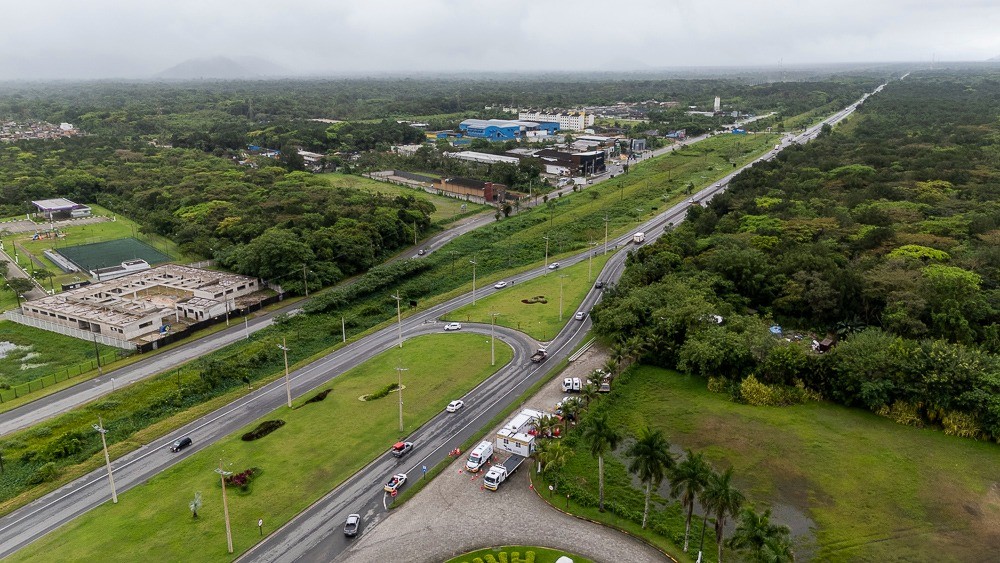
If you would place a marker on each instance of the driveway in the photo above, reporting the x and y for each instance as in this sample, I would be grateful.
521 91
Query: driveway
455 515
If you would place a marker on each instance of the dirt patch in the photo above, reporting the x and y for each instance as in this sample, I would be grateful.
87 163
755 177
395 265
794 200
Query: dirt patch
537 299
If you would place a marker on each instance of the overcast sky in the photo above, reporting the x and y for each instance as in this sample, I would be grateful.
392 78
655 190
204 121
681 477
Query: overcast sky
139 38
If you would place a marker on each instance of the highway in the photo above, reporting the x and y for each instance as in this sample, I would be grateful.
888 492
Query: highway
315 534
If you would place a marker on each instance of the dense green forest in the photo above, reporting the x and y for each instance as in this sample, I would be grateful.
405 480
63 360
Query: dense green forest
883 232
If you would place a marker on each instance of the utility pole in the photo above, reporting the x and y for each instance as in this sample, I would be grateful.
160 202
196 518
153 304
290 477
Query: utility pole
546 252
97 352
473 262
399 387
288 387
225 505
590 259
107 459
305 282
414 232
399 317
343 328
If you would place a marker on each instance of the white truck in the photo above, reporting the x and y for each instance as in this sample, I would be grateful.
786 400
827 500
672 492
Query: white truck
572 384
500 472
639 238
479 456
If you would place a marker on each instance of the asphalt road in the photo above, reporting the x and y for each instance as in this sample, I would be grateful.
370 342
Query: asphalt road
315 534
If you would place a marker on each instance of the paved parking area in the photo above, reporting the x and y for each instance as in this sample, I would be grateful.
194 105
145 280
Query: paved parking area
454 514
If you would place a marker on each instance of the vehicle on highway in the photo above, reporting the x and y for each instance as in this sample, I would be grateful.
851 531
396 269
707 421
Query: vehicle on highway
402 448
539 355
395 483
580 315
352 524
639 238
421 252
180 444
553 265
453 326
500 285
455 406
599 284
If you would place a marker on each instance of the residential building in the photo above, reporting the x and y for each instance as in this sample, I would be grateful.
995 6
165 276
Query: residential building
573 121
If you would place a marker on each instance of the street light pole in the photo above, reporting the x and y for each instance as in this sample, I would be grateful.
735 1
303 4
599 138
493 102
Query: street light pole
546 252
107 459
561 277
225 505
305 282
399 387
399 318
590 260
288 388
493 357
473 262
606 232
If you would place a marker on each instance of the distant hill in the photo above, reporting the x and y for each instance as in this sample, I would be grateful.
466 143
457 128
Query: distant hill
223 68
995 59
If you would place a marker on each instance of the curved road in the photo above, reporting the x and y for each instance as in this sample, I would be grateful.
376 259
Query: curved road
311 536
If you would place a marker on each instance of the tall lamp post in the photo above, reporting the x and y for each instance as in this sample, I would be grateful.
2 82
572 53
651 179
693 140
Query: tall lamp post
493 357
107 459
546 252
225 505
399 318
606 221
473 262
399 387
288 387
561 278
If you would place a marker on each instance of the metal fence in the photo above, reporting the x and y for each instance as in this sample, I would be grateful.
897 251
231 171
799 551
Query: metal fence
22 389
87 335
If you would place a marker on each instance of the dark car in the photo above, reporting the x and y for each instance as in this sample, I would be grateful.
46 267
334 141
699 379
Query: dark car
180 444
352 525
599 284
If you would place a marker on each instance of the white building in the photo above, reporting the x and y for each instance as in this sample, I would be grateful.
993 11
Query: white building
573 121
718 104
483 157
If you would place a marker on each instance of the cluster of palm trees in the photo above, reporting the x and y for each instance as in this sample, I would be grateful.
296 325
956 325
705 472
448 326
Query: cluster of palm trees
692 481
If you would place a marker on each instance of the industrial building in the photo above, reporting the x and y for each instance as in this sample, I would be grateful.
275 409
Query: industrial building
504 130
483 157
472 190
60 208
563 163
573 121
139 307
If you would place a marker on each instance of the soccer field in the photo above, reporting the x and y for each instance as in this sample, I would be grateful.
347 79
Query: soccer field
111 253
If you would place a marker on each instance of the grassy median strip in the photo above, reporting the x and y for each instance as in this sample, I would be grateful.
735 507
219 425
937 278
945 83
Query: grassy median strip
521 553
533 307
321 444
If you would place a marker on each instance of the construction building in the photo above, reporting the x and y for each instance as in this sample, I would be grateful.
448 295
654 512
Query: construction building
140 306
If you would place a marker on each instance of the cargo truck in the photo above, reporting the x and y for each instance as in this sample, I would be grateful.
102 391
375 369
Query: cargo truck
500 472
539 355
639 238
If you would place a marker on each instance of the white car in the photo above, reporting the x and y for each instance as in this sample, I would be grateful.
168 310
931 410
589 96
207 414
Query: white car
553 265
453 326
454 406
580 315
500 285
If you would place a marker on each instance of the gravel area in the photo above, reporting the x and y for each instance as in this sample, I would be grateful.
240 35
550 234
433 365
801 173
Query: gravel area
455 515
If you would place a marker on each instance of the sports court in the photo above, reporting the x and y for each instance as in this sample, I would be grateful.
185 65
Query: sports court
111 253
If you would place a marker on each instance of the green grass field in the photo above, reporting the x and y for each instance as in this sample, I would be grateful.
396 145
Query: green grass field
873 489
41 353
539 317
320 446
448 208
540 554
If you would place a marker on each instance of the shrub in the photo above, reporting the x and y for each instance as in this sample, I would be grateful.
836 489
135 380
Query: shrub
45 473
318 396
382 392
263 429
243 479
961 424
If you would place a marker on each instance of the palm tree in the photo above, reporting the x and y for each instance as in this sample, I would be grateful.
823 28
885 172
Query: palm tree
722 500
687 481
761 540
611 366
602 439
556 454
651 459
588 393
571 409
545 425
595 377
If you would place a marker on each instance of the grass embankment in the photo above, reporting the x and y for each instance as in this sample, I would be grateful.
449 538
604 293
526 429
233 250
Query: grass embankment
38 353
320 446
515 554
875 490
533 306
447 208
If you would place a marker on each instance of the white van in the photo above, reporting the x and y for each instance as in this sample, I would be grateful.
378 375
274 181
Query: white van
479 456
567 385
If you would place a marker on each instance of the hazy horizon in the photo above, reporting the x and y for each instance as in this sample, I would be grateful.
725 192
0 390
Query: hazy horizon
116 39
